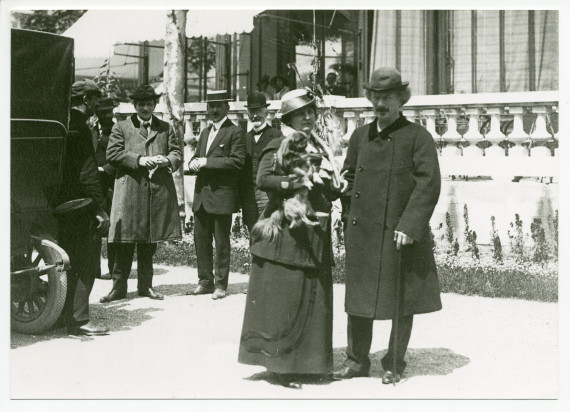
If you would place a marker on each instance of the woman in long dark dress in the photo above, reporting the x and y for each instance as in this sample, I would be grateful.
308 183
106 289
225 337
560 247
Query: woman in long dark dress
287 324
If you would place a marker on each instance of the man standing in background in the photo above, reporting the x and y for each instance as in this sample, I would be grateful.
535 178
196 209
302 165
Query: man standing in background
217 163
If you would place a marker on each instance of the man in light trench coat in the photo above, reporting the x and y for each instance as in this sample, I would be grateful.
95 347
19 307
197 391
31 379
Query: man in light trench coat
145 152
394 184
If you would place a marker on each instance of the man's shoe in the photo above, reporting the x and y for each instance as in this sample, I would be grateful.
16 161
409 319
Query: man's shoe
390 377
200 290
348 373
150 293
219 294
113 295
87 330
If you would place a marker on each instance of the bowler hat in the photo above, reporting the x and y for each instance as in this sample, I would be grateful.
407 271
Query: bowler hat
217 96
256 100
295 100
385 78
144 92
84 88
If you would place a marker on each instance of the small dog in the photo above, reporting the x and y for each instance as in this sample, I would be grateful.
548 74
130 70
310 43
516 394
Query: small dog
295 160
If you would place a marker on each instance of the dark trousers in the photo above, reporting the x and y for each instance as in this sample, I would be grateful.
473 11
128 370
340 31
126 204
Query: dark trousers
123 261
359 331
80 239
206 227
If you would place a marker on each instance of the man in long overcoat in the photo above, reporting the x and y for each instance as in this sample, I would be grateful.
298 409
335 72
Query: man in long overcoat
219 158
145 152
394 184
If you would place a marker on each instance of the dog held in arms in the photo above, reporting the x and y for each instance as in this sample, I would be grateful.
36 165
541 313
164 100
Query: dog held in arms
296 158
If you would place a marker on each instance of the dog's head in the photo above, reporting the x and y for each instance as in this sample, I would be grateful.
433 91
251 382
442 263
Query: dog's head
293 154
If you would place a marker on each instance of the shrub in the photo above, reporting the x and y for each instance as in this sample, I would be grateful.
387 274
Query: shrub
540 251
496 240
516 237
449 234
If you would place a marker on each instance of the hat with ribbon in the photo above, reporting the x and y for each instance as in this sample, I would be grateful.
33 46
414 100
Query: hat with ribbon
256 100
84 88
385 78
295 100
144 92
217 96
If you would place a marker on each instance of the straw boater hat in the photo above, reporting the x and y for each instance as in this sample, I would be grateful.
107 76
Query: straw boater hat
217 96
385 78
295 100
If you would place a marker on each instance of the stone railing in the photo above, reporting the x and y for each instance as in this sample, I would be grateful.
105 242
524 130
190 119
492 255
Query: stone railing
488 134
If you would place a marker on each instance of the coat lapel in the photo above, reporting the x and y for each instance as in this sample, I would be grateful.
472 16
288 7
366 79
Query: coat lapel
204 140
154 129
219 137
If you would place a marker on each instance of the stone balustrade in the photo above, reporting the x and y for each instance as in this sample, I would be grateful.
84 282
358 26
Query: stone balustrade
501 135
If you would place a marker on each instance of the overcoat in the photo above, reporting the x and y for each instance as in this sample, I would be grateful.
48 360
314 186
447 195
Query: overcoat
145 208
394 184
217 183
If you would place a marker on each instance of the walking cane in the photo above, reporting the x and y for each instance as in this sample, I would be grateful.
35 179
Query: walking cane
396 316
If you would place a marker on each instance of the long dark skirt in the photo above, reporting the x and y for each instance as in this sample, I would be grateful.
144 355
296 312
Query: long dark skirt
287 325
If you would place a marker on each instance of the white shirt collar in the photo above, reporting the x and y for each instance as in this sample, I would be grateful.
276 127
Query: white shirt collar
217 125
263 126
142 121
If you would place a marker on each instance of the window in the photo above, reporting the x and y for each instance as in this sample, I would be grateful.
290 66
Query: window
469 51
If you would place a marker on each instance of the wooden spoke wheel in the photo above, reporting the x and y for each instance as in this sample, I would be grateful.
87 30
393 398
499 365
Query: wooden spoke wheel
38 286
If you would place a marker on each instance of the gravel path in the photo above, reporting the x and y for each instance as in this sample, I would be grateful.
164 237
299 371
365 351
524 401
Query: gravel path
186 347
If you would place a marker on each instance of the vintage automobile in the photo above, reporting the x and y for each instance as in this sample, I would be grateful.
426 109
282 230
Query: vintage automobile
41 78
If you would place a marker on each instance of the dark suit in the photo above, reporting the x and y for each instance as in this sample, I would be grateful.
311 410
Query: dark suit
78 233
215 199
253 200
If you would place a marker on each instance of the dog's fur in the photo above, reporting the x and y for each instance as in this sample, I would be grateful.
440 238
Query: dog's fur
293 159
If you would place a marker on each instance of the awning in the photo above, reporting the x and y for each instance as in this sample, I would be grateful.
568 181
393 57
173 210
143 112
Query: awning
98 30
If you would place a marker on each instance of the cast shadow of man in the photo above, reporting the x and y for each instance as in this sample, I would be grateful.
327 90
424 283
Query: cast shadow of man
421 362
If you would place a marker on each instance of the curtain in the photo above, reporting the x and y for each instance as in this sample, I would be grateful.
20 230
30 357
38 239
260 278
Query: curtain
461 51
516 34
546 46
412 45
488 52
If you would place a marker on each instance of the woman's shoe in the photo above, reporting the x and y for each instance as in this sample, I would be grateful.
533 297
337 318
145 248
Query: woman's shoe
288 381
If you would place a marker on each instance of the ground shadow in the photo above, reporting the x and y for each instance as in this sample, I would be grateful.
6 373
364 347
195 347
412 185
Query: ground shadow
421 362
273 379
114 316
183 288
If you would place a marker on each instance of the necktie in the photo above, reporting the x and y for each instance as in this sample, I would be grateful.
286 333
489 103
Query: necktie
144 129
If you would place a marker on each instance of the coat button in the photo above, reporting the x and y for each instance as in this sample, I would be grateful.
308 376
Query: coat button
357 195
354 220
360 168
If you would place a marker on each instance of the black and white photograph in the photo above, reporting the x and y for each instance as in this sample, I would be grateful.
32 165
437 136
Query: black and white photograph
246 201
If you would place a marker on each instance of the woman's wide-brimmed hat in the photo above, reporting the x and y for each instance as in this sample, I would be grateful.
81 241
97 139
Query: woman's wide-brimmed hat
256 100
144 92
295 100
385 78
217 96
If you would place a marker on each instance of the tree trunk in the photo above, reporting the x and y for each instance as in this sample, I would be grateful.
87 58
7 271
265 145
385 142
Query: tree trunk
174 86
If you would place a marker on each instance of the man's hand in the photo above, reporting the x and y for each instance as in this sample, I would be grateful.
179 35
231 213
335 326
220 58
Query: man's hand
196 164
103 219
161 161
402 239
147 162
